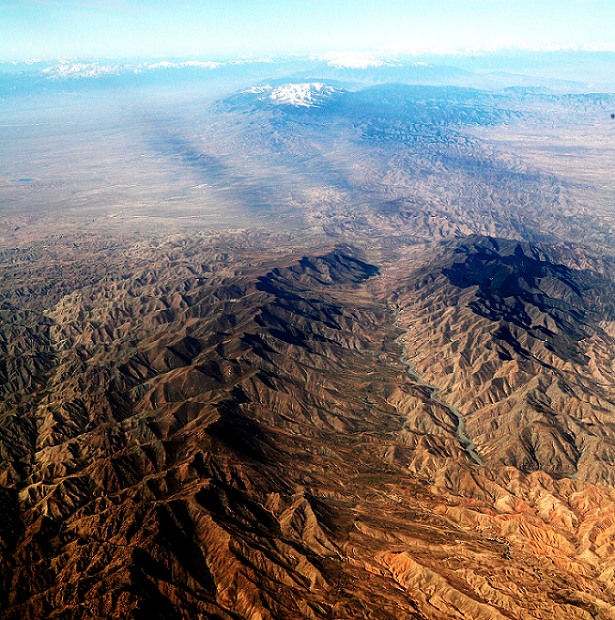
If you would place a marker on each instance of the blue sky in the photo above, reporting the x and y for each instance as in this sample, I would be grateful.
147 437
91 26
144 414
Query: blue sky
221 28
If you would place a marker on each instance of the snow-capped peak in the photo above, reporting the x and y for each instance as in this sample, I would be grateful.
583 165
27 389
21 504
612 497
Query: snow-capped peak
305 95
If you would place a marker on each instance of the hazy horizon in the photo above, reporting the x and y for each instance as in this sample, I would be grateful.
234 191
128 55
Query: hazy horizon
53 29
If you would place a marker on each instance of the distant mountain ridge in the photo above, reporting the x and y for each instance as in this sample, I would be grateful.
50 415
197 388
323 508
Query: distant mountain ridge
576 71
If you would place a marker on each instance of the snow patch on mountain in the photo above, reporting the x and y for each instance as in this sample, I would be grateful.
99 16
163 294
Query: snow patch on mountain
81 70
258 90
305 95
302 95
78 70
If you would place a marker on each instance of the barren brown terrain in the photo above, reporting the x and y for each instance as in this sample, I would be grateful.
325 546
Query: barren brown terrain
389 394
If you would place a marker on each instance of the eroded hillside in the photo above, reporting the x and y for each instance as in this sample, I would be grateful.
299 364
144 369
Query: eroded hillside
213 426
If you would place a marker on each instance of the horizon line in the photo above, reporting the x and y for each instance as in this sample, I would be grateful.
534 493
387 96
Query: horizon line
375 54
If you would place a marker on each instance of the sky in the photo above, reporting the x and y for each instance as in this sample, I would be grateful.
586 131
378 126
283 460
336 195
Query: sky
218 29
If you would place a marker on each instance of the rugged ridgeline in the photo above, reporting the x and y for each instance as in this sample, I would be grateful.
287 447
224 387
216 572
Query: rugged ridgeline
525 351
206 428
